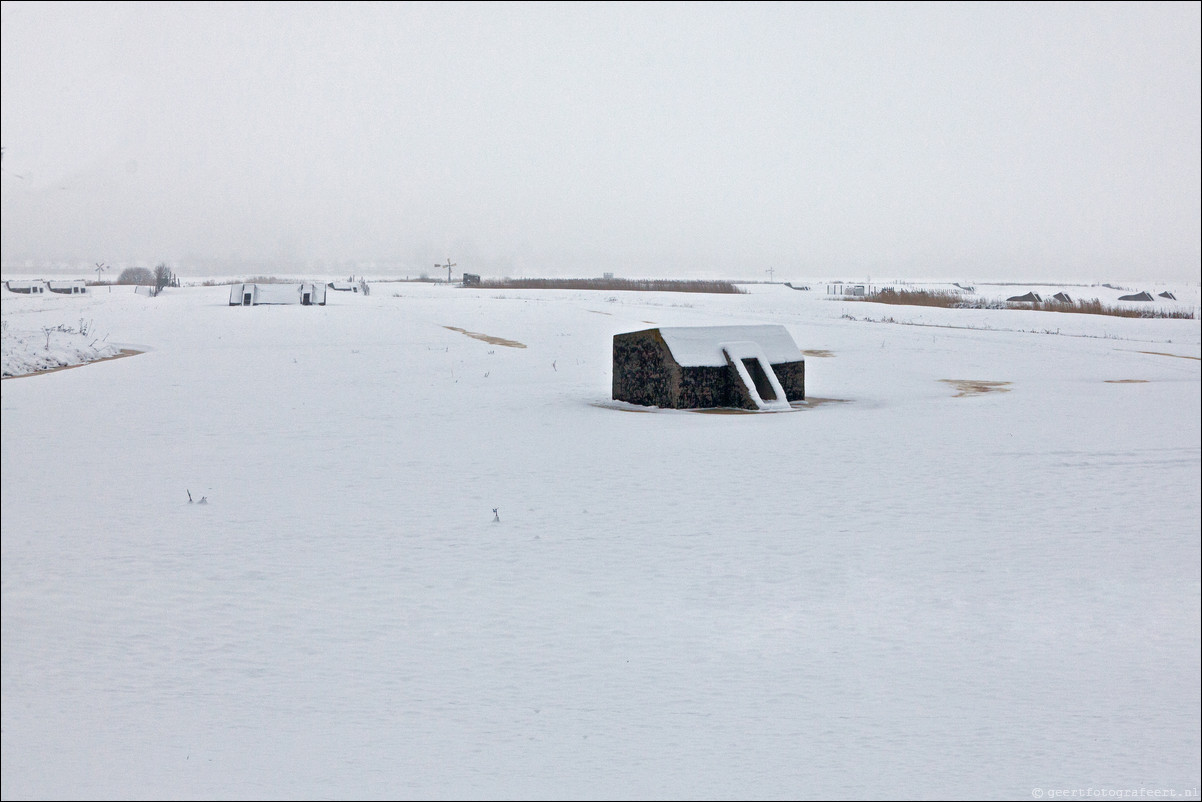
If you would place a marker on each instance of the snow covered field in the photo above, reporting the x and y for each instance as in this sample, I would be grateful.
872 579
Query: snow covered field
968 569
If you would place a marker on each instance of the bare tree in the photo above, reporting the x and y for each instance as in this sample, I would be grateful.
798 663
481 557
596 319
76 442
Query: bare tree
163 277
136 275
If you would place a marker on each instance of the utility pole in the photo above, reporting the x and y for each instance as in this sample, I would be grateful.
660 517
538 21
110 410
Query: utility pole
770 271
448 266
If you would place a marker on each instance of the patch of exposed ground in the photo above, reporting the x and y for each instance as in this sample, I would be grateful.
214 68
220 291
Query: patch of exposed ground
1126 381
624 407
822 352
488 338
817 402
1177 356
124 352
972 387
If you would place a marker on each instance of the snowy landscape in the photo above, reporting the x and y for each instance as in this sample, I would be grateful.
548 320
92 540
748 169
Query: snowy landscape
423 477
406 545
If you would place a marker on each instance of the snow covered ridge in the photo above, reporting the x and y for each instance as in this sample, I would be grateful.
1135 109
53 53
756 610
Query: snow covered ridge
29 351
49 325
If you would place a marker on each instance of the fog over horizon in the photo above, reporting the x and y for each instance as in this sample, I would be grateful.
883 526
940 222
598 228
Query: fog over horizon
1024 141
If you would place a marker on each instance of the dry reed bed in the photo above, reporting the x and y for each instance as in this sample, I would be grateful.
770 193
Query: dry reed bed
954 300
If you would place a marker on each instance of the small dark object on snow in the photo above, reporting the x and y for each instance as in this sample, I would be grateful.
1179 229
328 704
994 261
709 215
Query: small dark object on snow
496 516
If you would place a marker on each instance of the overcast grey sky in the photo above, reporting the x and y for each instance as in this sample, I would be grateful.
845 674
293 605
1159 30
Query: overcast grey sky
974 141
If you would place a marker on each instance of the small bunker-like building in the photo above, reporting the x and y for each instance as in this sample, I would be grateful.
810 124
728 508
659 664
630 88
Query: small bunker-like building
71 287
34 287
700 367
306 294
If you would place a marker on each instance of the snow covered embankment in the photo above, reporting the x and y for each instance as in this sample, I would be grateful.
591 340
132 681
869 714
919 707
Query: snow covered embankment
27 351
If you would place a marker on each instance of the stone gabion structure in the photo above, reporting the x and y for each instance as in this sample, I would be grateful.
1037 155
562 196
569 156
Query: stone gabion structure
689 367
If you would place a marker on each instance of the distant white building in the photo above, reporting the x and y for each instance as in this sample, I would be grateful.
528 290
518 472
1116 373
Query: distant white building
73 287
356 286
303 294
30 287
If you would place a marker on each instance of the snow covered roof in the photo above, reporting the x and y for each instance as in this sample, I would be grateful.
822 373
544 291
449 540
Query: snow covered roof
696 346
24 285
271 293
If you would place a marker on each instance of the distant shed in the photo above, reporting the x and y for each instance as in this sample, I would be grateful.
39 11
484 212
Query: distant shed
71 287
33 287
1139 296
1029 298
304 294
705 367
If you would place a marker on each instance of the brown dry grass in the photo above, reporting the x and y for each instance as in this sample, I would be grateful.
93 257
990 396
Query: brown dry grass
488 338
942 298
949 299
1175 356
1095 307
969 387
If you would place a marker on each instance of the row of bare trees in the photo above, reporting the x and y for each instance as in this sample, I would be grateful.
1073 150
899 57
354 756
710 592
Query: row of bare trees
159 278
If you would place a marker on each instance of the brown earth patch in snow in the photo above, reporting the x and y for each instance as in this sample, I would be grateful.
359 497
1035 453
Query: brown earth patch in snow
820 352
1126 381
124 352
969 387
488 338
1176 356
622 406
